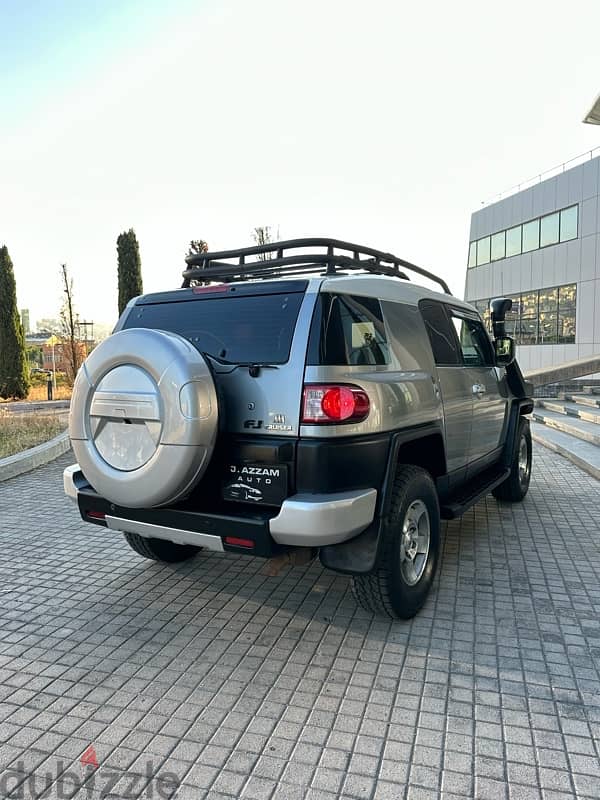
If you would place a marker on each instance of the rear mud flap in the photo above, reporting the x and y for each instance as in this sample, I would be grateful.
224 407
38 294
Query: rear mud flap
357 556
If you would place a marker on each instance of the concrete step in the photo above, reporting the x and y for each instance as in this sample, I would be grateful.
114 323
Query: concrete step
579 428
588 413
582 399
585 455
591 389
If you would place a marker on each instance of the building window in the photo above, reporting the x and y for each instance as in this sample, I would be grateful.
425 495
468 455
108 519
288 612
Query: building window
528 321
544 316
566 314
483 306
473 254
512 316
549 229
568 223
499 246
560 226
531 235
483 251
513 241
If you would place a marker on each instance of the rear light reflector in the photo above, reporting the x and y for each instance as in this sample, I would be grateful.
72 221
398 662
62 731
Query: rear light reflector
331 403
95 514
236 542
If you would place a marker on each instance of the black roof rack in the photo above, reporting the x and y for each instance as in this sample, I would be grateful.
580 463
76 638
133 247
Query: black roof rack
275 263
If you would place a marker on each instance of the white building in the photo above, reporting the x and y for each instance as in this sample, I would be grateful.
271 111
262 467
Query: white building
541 247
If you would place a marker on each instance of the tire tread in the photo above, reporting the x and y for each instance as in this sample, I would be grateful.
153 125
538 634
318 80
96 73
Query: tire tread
371 591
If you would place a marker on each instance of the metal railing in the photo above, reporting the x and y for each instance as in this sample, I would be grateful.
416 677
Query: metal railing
549 173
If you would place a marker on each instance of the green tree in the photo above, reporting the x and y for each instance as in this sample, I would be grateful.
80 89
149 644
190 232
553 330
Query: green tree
14 369
129 268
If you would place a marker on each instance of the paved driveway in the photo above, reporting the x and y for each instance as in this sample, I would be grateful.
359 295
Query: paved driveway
209 679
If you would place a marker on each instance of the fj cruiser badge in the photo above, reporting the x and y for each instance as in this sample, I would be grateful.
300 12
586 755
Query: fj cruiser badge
278 424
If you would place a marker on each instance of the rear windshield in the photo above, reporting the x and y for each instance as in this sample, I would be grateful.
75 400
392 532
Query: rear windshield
242 329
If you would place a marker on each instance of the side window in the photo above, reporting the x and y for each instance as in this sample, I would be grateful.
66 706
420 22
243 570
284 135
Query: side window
475 345
441 334
348 330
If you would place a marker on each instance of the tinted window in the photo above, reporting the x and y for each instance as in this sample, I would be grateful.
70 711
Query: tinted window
441 335
474 342
248 328
348 330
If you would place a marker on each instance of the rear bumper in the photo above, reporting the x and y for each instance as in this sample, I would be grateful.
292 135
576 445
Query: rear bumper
304 520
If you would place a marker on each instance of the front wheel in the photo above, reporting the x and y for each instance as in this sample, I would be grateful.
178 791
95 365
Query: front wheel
409 551
515 487
161 549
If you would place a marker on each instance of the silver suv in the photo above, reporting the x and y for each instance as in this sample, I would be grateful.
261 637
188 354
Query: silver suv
295 399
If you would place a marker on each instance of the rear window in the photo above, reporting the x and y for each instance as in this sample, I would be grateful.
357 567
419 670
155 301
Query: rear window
347 330
242 329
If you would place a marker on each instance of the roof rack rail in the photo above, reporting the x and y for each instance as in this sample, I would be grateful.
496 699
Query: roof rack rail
275 263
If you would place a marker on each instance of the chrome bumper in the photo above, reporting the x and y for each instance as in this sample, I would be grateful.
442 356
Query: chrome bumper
313 520
304 520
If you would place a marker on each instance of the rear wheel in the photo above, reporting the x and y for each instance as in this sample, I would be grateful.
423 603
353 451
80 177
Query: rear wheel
410 549
515 487
160 549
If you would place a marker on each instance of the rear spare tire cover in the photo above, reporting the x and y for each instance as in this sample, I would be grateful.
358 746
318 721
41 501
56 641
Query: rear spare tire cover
144 417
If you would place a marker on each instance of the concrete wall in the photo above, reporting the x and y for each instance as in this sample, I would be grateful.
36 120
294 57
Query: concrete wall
576 261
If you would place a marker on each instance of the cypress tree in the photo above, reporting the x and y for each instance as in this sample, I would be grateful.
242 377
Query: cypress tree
129 268
14 369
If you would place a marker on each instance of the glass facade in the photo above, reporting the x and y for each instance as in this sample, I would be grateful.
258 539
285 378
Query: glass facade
540 316
498 246
550 230
560 226
483 251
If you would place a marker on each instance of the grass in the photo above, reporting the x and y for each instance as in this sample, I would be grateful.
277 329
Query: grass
37 393
21 431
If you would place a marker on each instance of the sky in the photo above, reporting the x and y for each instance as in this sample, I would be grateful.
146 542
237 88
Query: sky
385 123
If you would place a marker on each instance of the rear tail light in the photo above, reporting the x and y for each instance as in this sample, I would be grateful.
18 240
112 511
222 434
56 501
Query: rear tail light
327 403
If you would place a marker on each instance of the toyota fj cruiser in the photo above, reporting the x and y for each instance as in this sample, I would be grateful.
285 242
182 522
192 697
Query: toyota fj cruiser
302 397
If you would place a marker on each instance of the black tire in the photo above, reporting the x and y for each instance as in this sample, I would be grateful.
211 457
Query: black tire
385 590
160 549
515 487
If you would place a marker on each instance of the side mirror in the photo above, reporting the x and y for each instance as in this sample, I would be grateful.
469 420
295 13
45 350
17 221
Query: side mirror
499 308
504 348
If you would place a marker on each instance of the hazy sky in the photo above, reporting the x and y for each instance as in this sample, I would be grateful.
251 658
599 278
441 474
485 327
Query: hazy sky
383 122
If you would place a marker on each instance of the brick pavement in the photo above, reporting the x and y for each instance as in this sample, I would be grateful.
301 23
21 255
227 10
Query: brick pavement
254 687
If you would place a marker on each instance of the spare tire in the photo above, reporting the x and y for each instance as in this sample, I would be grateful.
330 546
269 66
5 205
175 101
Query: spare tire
144 417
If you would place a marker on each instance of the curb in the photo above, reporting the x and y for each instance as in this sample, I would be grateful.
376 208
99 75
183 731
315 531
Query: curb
15 465
568 454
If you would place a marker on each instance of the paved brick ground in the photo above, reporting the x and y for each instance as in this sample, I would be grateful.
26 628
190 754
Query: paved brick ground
255 687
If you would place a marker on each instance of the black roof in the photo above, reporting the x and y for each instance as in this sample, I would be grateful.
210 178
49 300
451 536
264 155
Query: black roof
274 259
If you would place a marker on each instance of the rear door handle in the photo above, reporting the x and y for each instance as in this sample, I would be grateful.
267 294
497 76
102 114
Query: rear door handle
478 388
